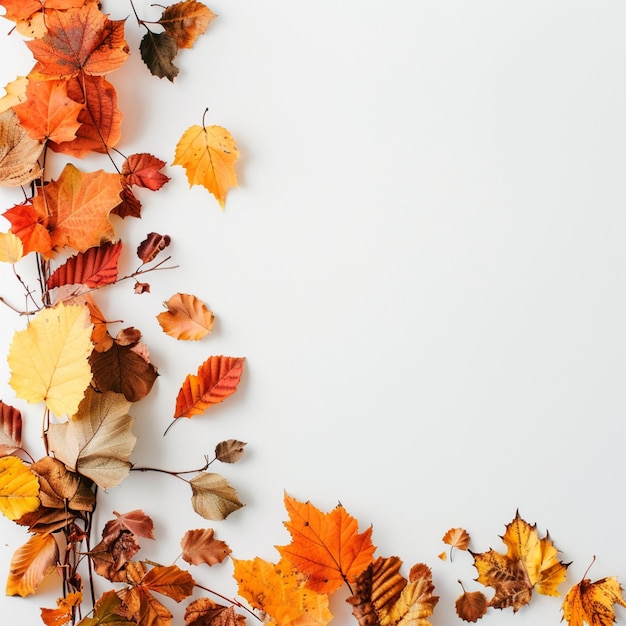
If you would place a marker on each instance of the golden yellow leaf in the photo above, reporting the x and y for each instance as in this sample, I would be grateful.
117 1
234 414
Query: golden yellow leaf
208 154
31 563
11 248
48 359
592 603
15 93
19 488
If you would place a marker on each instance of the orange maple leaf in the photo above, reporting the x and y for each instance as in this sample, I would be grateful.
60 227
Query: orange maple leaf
78 206
208 154
79 40
30 225
19 10
48 112
327 547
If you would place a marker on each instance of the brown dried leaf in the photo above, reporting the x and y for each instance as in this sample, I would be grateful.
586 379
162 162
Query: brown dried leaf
213 498
229 451
205 612
18 152
137 522
151 246
471 605
201 546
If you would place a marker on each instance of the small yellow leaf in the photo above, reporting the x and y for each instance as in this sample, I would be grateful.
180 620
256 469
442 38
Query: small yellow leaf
19 488
208 154
48 360
11 248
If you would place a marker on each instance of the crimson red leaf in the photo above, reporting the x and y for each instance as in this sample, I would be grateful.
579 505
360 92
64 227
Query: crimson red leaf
142 170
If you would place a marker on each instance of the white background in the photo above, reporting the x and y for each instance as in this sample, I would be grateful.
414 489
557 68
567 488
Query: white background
424 265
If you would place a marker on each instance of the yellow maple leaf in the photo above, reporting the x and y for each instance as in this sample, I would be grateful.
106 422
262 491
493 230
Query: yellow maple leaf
592 603
48 359
208 154
19 488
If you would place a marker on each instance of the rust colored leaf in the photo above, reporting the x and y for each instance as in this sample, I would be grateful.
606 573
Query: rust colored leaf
30 564
30 226
208 154
205 612
327 547
144 170
229 451
187 318
18 152
122 370
150 247
280 591
213 497
48 112
186 21
100 120
471 605
79 205
137 522
130 206
111 555
80 40
592 603
158 51
64 612
201 546
217 378
95 267
10 429
530 563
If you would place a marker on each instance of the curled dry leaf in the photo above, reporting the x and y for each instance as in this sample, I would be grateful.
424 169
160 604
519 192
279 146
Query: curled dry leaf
18 152
213 498
187 318
201 546
229 451
151 246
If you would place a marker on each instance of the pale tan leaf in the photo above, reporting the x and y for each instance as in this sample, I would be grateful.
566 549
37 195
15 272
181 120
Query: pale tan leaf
18 152
213 498
11 248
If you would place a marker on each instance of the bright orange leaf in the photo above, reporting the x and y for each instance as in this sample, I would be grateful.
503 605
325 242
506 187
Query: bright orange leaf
327 547
185 21
30 225
48 112
217 378
63 613
208 154
19 10
186 318
31 563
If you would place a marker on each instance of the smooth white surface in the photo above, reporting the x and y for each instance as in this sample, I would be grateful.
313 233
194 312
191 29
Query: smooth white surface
424 265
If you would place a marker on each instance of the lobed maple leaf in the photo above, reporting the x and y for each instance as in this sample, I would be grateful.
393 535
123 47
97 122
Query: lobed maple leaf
30 226
187 318
326 547
530 563
143 170
48 360
217 378
592 602
18 152
31 563
279 591
208 154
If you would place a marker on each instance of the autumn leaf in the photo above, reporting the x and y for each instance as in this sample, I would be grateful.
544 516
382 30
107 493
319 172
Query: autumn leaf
201 546
15 92
64 611
279 590
48 112
98 441
31 563
592 603
10 429
471 605
144 170
530 563
187 317
30 226
79 205
327 547
213 497
48 360
80 40
205 612
136 521
208 154
186 21
112 555
158 51
100 120
217 378
18 152
108 610
95 267
150 247
229 451
19 488
11 248
456 538
19 10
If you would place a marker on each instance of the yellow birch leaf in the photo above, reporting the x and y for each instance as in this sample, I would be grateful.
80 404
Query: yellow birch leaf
31 563
11 248
48 360
208 154
19 488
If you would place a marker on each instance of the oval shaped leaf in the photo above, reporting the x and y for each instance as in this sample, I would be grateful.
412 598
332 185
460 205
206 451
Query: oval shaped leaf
31 564
19 488
187 318
213 498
